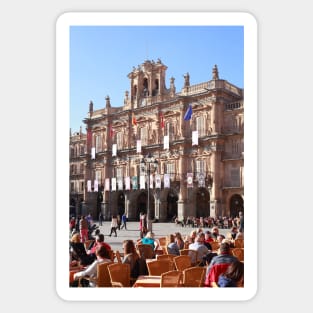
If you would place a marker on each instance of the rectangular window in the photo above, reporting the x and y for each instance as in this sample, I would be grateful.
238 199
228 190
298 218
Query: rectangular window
119 140
200 126
235 177
144 136
199 168
98 144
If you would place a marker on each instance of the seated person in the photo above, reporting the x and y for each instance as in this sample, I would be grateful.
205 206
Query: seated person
102 256
150 240
98 243
219 265
172 247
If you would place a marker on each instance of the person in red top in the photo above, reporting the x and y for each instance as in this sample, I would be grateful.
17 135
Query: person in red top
98 243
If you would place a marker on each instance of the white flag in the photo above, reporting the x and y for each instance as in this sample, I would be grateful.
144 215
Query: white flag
107 184
157 181
138 146
89 185
166 143
114 149
120 183
142 182
127 183
113 183
95 185
195 138
93 152
151 181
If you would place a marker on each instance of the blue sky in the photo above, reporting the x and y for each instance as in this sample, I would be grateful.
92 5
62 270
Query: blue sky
101 57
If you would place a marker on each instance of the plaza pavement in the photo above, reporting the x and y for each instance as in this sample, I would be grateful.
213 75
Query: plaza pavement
132 232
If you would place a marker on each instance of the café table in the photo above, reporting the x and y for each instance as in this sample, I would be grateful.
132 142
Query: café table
147 281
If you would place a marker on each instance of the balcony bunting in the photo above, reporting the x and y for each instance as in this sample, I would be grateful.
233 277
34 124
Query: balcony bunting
114 148
120 183
95 186
113 180
93 153
189 180
166 142
138 146
195 138
89 185
107 184
127 183
142 182
134 182
166 180
158 181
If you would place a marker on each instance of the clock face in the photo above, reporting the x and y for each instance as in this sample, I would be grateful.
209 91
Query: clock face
189 180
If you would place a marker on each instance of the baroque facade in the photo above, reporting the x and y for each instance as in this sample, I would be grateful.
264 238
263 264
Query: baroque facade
200 157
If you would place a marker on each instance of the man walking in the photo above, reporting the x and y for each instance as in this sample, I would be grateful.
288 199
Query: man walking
100 218
124 220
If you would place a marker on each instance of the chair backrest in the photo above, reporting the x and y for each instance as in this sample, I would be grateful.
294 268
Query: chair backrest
120 273
166 257
118 256
215 245
103 276
171 279
182 262
163 241
158 267
238 253
194 276
193 254
239 243
145 251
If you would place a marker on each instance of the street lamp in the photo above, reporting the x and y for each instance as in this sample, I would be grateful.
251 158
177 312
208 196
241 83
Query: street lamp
148 164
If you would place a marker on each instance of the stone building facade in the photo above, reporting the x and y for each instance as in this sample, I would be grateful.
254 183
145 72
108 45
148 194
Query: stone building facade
200 159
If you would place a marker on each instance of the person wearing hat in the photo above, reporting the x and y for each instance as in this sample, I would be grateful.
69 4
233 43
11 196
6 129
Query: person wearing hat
219 265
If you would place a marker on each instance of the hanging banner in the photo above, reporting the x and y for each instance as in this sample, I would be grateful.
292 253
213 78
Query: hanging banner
113 180
95 186
151 181
189 180
166 143
93 153
134 182
166 180
201 180
142 182
195 138
120 183
114 149
107 184
89 185
158 181
127 183
138 146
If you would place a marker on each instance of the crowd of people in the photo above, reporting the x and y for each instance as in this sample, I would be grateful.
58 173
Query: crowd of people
223 268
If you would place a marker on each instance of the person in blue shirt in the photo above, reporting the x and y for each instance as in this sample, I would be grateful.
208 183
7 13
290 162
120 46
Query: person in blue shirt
150 240
124 220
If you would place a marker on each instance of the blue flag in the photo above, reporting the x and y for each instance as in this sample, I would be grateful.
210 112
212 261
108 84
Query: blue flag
188 113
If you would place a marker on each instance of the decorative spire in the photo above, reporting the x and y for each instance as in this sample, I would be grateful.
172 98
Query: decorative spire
215 73
90 106
107 102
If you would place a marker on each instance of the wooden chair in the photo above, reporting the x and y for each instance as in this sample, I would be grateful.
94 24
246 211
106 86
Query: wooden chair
163 241
182 262
238 253
103 277
193 254
194 276
118 256
145 251
171 279
166 257
158 267
239 243
119 273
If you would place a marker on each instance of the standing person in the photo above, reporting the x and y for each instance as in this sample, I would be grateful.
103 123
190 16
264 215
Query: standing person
83 228
142 225
89 219
114 225
118 221
124 220
100 218
241 222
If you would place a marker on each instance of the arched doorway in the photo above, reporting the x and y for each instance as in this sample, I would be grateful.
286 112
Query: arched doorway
120 204
236 205
142 205
172 199
202 203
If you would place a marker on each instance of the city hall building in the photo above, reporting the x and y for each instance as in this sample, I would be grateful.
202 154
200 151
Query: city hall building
165 152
